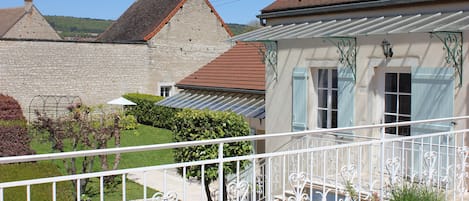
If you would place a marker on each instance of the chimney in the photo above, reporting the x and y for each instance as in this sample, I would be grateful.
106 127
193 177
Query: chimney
28 5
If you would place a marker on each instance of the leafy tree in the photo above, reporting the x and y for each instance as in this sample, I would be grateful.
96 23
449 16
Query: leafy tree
82 130
193 125
14 138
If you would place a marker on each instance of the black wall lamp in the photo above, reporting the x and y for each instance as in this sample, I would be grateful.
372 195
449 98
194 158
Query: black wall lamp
387 48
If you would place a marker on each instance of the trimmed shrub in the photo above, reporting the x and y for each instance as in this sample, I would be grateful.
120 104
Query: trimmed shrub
14 138
193 125
148 113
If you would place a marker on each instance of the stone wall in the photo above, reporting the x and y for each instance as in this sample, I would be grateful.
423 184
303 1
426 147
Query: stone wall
96 72
192 38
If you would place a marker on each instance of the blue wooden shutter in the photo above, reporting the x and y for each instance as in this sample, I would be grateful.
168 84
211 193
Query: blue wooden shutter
346 91
299 99
432 97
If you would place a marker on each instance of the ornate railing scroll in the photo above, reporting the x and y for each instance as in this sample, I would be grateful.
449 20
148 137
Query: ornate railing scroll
347 49
270 56
453 42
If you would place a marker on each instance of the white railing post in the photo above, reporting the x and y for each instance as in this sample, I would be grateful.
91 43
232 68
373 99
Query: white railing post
268 178
124 190
254 183
381 180
54 191
220 171
1 194
101 188
78 190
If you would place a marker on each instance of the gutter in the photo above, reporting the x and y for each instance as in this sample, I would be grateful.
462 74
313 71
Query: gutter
235 90
334 8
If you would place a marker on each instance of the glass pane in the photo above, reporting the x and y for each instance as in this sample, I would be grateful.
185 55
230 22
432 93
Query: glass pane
334 79
334 119
404 130
334 99
404 104
404 83
389 118
391 82
322 98
322 118
322 78
402 118
390 103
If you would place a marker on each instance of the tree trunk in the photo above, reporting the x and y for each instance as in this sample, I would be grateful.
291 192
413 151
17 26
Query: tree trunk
207 190
117 136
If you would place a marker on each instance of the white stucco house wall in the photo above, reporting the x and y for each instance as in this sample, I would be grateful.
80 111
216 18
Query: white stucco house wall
331 70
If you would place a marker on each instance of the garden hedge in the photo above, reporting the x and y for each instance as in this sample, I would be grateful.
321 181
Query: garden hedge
148 113
194 125
14 138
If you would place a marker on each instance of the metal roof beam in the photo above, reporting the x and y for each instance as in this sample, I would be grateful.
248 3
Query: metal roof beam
375 25
416 22
394 24
451 23
436 21
353 23
310 28
310 34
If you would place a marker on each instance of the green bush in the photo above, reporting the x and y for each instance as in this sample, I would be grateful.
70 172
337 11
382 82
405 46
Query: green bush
128 122
193 125
416 192
148 113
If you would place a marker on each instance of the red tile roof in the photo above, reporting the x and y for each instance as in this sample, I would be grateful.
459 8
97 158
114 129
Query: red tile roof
145 18
9 17
295 4
241 67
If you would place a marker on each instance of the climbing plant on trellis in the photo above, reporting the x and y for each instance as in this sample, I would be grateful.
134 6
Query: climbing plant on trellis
51 105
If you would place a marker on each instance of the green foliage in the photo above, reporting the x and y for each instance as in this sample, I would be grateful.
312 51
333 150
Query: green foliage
148 113
128 122
78 27
240 28
43 192
147 135
416 192
86 27
193 125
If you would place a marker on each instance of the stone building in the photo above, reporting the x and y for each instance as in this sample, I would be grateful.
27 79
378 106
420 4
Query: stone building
153 45
25 22
182 36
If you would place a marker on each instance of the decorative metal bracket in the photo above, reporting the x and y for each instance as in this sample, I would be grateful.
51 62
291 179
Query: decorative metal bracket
452 42
347 49
270 56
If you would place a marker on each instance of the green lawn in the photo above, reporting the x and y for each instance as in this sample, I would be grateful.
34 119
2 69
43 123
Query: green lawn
144 135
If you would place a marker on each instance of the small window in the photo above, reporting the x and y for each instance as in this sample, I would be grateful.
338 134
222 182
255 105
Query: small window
397 101
165 91
327 98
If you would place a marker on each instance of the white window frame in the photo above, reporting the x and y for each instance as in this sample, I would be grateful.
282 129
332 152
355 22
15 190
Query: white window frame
329 91
162 85
397 94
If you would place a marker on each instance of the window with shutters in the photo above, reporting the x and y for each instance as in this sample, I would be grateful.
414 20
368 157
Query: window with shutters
397 102
327 98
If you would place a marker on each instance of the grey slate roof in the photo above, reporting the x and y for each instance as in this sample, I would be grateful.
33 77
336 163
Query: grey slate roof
139 20
9 17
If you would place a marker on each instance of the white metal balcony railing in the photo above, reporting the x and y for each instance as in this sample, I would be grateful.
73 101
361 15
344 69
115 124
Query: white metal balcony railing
318 165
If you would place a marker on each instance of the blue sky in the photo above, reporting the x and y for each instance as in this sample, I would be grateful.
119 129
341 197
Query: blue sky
232 11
